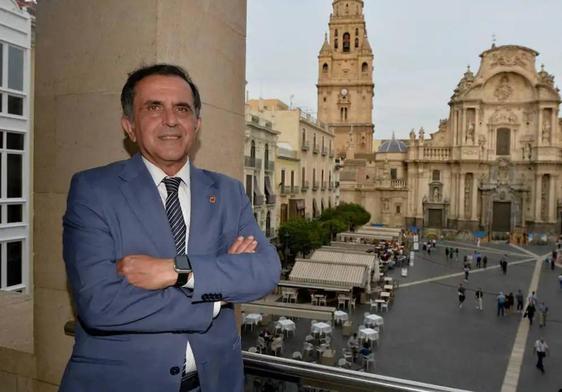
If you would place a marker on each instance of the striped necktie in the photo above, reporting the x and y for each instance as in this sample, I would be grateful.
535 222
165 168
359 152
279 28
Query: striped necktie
175 215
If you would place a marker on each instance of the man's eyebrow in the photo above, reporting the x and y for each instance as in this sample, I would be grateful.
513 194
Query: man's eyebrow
152 102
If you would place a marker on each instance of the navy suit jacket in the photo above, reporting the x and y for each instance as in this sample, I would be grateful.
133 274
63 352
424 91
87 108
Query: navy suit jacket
131 339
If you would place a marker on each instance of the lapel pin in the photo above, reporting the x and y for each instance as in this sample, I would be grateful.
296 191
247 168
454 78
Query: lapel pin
212 199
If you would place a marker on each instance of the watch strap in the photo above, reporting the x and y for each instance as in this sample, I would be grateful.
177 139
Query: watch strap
182 279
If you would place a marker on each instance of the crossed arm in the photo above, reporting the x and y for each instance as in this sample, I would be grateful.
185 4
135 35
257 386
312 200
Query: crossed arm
152 273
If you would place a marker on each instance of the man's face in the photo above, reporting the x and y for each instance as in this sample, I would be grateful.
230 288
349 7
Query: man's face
165 124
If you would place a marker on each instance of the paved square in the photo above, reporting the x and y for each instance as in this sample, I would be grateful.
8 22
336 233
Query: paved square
427 338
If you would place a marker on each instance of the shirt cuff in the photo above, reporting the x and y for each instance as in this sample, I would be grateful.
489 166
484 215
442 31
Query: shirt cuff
216 308
191 282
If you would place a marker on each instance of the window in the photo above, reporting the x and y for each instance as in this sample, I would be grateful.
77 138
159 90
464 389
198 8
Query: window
12 82
335 43
393 174
436 175
253 149
325 68
356 42
266 155
364 67
502 141
346 43
303 176
356 31
303 136
398 209
282 177
292 178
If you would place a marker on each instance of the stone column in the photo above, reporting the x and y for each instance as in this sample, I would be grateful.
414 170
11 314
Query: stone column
461 197
538 183
84 51
474 201
552 199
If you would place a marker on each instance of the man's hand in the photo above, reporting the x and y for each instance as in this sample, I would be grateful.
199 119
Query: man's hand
243 245
147 272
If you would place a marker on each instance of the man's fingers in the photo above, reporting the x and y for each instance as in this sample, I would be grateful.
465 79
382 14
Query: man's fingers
243 245
233 249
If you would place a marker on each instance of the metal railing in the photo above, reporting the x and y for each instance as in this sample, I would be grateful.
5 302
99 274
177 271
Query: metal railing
282 374
288 189
305 146
269 165
305 186
271 199
259 200
314 185
324 150
316 149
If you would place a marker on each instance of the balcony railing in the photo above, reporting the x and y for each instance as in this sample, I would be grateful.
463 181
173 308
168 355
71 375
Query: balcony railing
304 186
259 200
314 185
324 150
324 185
252 162
288 374
330 186
305 146
331 154
289 190
316 149
437 153
269 165
271 199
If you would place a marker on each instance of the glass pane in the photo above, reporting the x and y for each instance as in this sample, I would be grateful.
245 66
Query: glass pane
1 65
14 176
14 267
14 141
1 133
15 213
15 68
1 263
15 105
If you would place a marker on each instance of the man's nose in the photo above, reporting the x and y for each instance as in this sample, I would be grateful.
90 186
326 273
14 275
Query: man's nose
170 117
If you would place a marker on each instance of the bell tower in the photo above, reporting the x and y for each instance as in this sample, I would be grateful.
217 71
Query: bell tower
345 80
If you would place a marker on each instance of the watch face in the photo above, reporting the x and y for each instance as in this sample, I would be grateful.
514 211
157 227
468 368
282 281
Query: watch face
343 92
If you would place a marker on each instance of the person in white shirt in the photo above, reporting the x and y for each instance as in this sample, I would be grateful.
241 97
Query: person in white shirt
542 349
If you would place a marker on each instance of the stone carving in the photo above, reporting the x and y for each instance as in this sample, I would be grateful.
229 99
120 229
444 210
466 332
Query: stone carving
421 135
504 116
545 77
508 60
413 134
504 90
436 195
546 126
470 133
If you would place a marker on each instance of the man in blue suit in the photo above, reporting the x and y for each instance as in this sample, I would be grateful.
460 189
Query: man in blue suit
156 251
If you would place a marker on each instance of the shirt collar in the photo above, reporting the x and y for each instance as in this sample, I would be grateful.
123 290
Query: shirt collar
158 174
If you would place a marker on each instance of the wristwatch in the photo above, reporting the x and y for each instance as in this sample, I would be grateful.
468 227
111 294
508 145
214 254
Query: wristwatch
182 266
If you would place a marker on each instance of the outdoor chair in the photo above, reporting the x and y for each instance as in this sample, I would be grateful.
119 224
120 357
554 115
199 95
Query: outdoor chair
352 303
384 306
368 361
297 356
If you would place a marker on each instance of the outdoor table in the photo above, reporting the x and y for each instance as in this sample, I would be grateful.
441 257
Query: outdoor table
252 319
388 280
340 316
385 294
368 334
373 319
286 325
388 287
321 328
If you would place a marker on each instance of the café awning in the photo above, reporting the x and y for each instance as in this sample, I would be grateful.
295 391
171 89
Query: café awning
329 273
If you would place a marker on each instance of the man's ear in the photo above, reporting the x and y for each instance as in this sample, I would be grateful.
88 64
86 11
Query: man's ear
198 124
129 128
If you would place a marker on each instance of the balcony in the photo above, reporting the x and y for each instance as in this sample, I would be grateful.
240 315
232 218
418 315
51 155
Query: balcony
304 186
436 153
330 186
252 162
289 190
331 154
316 149
305 146
324 186
324 151
271 199
259 200
314 185
269 166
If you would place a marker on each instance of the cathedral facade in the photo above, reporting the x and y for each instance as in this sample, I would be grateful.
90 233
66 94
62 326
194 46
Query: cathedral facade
493 165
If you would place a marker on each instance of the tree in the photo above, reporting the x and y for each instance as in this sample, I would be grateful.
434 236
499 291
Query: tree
301 236
351 214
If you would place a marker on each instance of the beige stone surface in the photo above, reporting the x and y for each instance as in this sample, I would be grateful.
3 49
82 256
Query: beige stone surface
80 72
52 346
17 328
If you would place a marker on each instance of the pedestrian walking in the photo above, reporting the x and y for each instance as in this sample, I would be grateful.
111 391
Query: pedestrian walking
552 260
429 250
478 260
532 299
466 272
530 312
519 298
447 252
485 261
509 301
478 295
560 280
503 265
461 294
501 304
541 349
543 311
456 254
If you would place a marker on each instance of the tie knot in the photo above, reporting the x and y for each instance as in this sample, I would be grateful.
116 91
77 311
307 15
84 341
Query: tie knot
172 184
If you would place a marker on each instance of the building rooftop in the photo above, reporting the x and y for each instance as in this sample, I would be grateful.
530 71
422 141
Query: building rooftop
392 145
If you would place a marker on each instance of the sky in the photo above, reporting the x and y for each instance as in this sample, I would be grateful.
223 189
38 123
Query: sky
421 50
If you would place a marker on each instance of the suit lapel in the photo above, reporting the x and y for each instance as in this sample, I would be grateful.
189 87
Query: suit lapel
204 203
142 195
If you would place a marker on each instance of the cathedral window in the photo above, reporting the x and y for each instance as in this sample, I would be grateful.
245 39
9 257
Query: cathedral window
325 68
356 42
346 42
335 43
336 32
502 141
393 174
356 32
364 67
436 175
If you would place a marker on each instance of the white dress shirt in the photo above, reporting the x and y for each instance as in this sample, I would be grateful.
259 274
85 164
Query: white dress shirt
184 195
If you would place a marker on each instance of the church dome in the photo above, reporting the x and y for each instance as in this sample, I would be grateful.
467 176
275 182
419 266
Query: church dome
392 145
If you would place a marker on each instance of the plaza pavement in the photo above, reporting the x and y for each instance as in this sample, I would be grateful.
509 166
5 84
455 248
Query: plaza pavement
427 338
